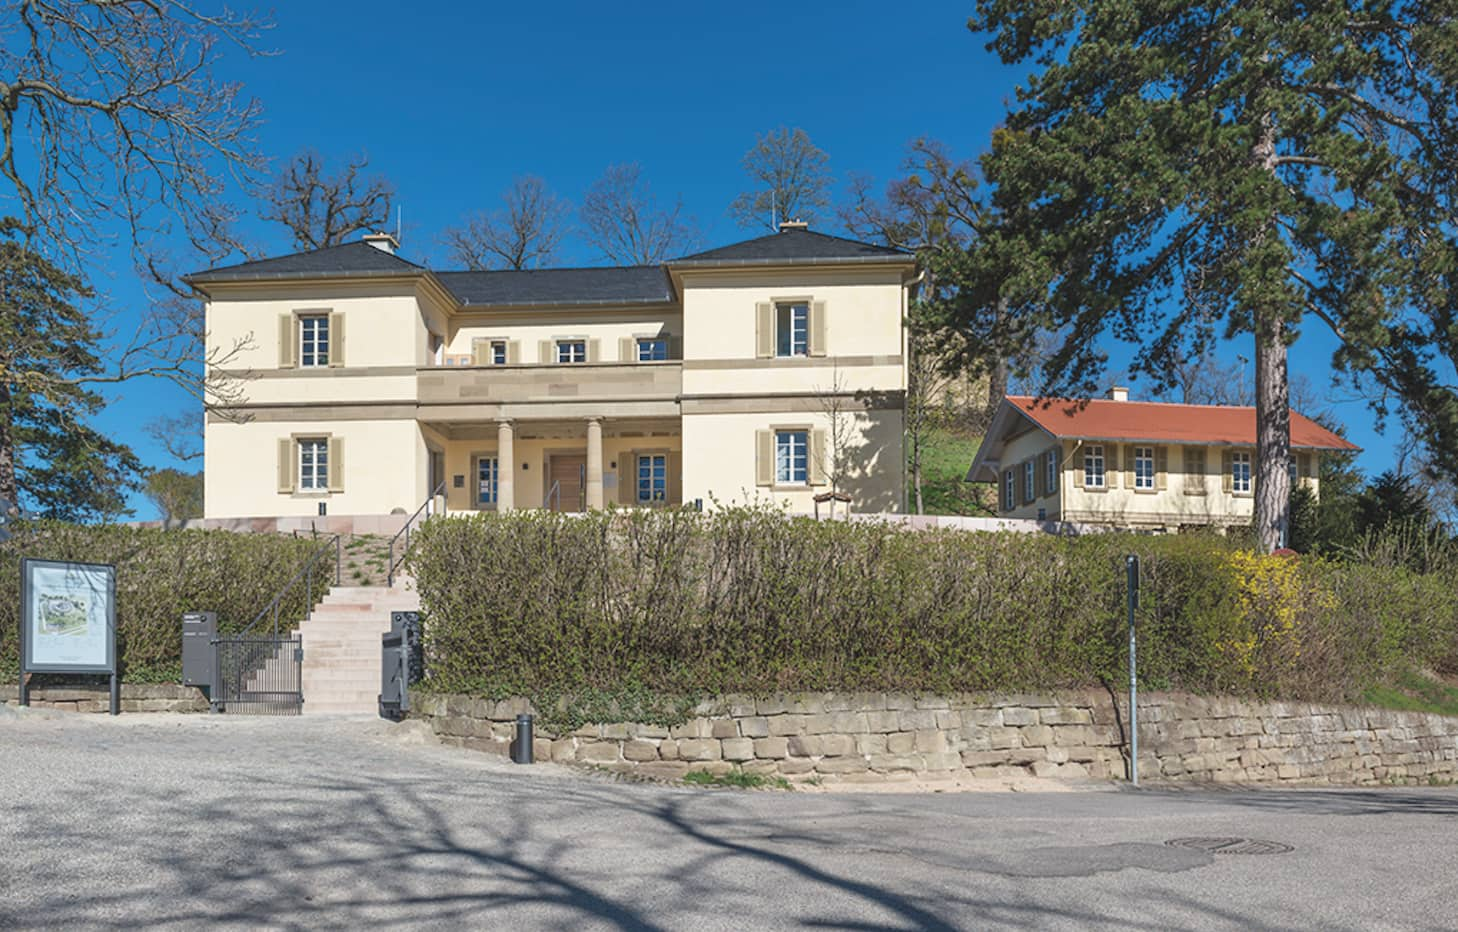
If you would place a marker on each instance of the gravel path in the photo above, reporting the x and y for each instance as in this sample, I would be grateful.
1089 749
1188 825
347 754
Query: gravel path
189 821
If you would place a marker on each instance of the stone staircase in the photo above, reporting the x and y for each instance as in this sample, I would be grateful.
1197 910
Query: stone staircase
341 642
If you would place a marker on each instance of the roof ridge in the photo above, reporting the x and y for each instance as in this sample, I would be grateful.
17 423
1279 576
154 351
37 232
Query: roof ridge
559 268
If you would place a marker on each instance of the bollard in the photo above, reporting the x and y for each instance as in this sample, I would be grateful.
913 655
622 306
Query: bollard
521 748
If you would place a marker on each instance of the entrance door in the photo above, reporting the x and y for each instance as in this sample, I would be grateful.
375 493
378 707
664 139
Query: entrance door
569 473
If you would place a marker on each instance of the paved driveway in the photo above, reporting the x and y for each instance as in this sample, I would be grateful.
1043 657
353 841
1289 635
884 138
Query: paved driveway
184 822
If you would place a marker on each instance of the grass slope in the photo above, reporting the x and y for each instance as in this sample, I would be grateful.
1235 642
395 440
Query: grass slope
1415 692
947 453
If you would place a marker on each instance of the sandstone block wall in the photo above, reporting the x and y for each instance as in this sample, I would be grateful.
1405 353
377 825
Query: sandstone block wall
160 697
890 736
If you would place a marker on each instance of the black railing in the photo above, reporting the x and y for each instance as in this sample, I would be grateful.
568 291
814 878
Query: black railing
426 508
305 575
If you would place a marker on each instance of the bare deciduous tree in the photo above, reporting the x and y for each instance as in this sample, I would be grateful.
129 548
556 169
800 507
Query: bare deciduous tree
524 233
790 177
111 112
842 410
320 208
112 116
622 218
926 384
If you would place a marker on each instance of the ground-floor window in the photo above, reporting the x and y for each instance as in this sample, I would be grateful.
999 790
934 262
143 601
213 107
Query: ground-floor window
314 464
1009 490
1144 468
1240 472
487 474
652 478
1093 467
792 457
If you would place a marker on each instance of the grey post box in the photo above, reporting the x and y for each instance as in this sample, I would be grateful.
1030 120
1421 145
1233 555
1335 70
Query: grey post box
198 631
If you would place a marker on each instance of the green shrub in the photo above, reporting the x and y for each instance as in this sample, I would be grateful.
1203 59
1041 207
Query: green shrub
676 603
159 575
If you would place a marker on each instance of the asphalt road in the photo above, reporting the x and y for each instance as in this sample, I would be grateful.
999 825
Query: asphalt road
189 822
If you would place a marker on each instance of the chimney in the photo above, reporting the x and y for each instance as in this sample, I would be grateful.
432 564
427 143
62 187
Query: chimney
1118 393
384 242
793 225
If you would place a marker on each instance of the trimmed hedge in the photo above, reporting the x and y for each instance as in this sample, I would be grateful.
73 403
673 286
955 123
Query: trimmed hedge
159 575
674 603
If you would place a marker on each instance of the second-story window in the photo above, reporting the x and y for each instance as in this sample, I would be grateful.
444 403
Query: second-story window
571 351
1144 468
792 330
652 349
314 340
498 352
1240 472
313 465
1093 467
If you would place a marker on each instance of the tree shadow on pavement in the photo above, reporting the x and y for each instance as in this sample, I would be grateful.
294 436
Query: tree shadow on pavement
384 846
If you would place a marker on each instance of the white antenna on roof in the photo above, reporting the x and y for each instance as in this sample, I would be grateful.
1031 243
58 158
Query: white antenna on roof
774 209
399 211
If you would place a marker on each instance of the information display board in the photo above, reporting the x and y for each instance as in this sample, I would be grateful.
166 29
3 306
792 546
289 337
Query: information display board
67 619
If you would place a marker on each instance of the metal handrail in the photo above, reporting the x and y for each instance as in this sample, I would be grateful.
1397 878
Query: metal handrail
405 532
306 573
556 490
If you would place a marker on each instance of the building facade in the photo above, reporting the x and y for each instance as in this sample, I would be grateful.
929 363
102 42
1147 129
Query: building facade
354 382
1136 465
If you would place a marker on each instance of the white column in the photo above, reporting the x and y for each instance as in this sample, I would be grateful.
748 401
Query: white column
506 466
594 463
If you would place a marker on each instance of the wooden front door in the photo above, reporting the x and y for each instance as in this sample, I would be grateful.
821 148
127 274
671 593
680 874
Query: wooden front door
568 472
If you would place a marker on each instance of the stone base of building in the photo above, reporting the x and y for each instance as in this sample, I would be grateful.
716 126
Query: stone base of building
876 737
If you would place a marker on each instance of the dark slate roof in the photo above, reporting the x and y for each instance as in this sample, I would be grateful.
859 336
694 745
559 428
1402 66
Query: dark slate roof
636 284
793 247
348 259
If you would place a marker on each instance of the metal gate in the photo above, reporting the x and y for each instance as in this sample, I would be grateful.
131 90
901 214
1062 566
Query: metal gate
258 675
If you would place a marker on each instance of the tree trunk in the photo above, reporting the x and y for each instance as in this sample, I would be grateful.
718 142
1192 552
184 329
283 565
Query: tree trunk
1273 435
9 494
997 374
1273 392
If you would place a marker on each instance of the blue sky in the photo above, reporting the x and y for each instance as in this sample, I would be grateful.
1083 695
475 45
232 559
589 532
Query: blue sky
451 102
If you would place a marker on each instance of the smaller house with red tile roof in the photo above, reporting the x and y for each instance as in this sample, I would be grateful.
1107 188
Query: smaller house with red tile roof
1134 464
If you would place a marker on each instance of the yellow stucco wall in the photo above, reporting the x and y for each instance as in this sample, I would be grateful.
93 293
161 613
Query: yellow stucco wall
720 460
1169 505
726 393
384 468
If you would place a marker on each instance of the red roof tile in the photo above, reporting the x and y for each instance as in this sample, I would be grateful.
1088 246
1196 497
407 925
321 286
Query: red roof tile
1173 423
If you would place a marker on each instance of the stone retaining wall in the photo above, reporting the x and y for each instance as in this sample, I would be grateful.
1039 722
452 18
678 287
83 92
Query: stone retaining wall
883 737
135 697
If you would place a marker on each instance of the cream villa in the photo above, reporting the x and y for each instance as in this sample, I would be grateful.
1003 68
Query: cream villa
366 381
1132 464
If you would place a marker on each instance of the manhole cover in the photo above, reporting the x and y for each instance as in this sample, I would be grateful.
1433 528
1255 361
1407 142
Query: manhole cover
1231 845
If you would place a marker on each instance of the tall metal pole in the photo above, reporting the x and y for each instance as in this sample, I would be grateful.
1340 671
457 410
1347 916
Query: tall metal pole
1131 567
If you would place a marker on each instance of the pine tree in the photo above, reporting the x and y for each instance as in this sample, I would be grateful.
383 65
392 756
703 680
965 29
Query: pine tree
52 462
1178 172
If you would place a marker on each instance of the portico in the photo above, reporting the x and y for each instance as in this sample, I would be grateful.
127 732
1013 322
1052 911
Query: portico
564 464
